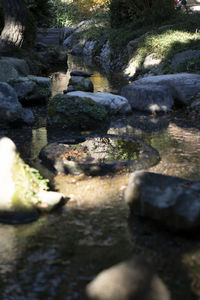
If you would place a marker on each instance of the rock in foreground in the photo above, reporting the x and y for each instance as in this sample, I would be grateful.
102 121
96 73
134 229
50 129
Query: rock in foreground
133 279
173 201
23 192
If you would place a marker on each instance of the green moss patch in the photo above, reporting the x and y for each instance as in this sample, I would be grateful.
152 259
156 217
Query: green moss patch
76 113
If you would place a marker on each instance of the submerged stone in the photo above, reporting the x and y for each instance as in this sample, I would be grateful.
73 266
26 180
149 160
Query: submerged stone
148 97
98 155
11 110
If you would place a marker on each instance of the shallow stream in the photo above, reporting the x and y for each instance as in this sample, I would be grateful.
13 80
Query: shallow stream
56 256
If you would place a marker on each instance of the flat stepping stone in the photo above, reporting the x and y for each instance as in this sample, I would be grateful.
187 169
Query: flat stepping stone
98 155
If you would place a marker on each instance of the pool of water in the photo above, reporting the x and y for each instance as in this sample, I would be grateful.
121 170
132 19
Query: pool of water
55 257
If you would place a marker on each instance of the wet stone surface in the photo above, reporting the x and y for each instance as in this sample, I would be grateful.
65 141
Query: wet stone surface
99 155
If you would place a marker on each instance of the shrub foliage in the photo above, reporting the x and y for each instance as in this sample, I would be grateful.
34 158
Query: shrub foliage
149 11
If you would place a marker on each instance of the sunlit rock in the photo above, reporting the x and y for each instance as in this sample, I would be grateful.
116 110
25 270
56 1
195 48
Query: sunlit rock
148 97
172 201
133 279
22 190
161 92
7 72
114 103
183 86
48 201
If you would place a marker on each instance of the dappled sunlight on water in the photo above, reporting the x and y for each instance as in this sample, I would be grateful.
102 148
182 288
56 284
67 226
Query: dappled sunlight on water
92 191
180 155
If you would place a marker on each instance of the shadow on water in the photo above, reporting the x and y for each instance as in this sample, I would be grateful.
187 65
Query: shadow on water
55 257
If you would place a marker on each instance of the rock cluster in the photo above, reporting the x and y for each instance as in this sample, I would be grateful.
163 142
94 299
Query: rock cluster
17 89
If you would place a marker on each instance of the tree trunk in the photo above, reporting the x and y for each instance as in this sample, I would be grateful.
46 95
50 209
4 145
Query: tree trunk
15 15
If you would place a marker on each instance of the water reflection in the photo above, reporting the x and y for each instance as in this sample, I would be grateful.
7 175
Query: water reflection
39 140
8 249
59 82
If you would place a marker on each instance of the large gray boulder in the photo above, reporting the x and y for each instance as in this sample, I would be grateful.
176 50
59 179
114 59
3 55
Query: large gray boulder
23 192
159 93
11 109
183 86
148 97
114 103
173 201
129 280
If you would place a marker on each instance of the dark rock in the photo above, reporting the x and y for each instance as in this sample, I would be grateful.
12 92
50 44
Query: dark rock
80 73
11 110
148 97
172 201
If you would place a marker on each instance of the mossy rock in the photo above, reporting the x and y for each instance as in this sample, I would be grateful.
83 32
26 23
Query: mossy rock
20 186
80 83
76 113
